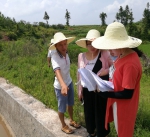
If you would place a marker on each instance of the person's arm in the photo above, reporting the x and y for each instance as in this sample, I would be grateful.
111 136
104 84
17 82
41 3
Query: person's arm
124 94
64 87
49 61
103 72
131 74
106 63
79 87
49 58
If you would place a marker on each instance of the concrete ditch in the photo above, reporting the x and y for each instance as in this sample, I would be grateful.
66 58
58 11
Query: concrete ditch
29 117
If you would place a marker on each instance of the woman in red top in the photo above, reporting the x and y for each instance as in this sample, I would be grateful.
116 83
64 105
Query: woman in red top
122 105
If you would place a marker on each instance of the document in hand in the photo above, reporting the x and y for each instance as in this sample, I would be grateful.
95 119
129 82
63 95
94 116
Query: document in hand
92 81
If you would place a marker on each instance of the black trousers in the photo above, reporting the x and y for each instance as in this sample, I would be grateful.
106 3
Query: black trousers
89 110
94 111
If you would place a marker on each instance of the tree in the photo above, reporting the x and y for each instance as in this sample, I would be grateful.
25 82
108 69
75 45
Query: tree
46 17
103 17
123 15
67 16
146 22
131 26
14 20
117 16
146 16
127 14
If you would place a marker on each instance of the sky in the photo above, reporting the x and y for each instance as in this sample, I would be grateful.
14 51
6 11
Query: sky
82 12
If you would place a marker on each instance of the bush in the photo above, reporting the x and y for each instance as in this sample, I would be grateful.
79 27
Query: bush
42 24
11 36
1 36
1 49
59 26
54 26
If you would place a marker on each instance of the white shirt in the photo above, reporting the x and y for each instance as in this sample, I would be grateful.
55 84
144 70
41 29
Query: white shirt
91 63
50 53
63 64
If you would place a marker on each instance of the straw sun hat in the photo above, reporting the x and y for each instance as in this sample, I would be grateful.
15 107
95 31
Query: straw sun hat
51 42
116 37
91 35
58 37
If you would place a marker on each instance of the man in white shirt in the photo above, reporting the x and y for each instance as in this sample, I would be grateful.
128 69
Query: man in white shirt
63 83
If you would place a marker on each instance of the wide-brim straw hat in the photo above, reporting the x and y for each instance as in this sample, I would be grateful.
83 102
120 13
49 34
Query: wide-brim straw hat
91 35
58 37
116 37
51 42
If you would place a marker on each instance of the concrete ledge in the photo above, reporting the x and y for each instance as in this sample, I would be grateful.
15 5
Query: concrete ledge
29 117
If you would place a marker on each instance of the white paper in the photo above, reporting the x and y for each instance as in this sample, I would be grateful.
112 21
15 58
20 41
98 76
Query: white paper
93 82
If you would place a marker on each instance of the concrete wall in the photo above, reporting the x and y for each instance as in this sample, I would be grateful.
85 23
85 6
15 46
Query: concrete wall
29 117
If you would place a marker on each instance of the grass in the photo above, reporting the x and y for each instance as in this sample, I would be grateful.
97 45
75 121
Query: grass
145 48
143 117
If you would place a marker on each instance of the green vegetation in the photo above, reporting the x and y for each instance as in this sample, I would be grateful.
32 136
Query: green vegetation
145 48
23 61
24 64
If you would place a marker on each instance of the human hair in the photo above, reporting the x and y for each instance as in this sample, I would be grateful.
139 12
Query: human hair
138 51
87 41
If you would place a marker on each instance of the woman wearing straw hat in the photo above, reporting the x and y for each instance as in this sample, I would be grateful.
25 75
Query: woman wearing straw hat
122 105
63 83
98 61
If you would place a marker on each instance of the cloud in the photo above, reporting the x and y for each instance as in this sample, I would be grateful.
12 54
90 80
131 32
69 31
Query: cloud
81 11
112 7
77 1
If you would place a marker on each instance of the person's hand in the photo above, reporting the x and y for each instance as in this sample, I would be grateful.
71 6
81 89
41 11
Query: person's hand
64 90
81 97
81 94
97 89
102 73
